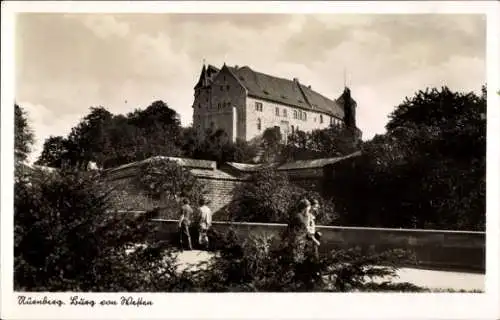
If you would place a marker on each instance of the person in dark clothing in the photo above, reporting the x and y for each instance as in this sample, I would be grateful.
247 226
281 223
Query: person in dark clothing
296 231
184 224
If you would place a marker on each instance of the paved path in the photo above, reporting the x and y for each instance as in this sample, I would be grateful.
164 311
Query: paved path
431 279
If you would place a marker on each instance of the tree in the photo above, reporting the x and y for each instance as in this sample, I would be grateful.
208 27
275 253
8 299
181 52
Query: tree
66 240
271 144
269 196
218 147
333 141
23 135
427 171
159 131
54 151
166 181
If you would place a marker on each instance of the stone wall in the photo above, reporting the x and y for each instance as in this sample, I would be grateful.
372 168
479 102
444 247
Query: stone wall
433 249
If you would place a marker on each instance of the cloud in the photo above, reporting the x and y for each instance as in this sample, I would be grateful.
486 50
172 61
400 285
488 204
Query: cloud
105 26
45 122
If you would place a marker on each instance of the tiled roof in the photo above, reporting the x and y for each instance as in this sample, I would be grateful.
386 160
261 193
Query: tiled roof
248 167
184 162
316 163
212 174
275 89
284 91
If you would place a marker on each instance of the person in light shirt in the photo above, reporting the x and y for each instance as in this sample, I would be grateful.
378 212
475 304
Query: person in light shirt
204 224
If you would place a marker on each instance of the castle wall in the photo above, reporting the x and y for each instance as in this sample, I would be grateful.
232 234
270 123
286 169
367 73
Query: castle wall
217 104
269 118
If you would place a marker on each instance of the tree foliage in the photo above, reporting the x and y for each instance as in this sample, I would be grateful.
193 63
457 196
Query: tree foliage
113 140
427 171
333 141
65 240
23 135
167 181
269 196
216 146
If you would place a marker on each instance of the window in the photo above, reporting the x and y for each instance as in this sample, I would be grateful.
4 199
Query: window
258 106
221 88
259 124
305 116
295 114
293 130
284 113
227 87
300 115
277 112
199 105
320 118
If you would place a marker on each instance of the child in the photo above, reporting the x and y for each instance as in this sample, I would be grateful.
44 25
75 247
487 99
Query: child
204 223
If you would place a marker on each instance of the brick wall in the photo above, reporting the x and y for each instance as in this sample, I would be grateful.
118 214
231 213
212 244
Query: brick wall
220 193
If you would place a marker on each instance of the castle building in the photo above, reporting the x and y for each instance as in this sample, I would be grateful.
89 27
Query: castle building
244 103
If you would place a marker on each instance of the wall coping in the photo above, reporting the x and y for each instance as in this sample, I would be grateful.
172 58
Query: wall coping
335 227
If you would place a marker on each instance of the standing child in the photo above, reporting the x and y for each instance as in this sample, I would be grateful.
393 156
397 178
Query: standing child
204 223
184 223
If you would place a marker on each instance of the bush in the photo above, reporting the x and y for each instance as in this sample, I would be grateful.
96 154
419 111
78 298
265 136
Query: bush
66 240
270 197
165 181
265 264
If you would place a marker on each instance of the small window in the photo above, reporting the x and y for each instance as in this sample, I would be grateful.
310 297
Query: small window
221 88
277 111
293 129
258 106
284 113
300 115
199 105
227 87
305 116
320 118
295 114
259 124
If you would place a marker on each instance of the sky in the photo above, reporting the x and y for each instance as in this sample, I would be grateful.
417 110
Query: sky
66 63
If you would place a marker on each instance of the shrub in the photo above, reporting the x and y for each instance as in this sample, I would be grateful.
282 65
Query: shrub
266 264
270 197
66 240
165 181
